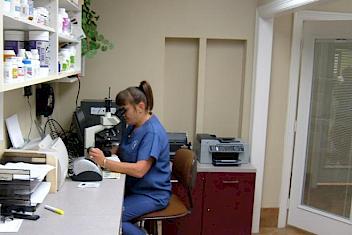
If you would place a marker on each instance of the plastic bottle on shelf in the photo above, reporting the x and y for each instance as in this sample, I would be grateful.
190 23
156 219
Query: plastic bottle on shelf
8 71
35 63
40 40
16 8
14 40
60 16
66 58
20 68
41 16
8 54
72 56
24 9
28 68
7 6
30 10
13 61
22 53
65 22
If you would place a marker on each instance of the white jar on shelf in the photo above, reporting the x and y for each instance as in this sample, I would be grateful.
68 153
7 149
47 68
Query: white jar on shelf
28 68
24 9
35 63
16 8
14 40
7 6
20 68
40 40
8 71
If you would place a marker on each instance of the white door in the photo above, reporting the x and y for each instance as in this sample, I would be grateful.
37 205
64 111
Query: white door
321 187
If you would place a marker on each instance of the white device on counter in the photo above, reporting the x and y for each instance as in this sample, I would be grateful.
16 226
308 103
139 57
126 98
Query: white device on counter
86 170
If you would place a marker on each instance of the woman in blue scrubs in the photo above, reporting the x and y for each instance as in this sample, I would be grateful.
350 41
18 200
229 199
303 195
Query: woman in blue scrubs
144 155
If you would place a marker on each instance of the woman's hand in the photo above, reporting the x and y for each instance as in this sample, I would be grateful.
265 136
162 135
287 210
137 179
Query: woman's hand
97 156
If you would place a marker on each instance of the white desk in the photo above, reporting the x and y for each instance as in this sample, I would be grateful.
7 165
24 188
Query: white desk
88 211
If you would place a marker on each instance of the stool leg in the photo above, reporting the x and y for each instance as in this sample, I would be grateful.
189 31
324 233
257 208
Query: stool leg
160 227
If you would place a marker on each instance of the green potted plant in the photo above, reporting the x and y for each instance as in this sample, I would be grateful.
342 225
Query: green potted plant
94 40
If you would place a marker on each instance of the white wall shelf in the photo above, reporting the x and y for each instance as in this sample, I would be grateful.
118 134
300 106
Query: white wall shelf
11 22
65 38
16 85
69 5
67 79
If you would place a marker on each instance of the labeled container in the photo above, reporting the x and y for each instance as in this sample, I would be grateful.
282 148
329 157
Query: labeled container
16 8
40 40
8 71
8 54
14 40
35 63
28 69
7 5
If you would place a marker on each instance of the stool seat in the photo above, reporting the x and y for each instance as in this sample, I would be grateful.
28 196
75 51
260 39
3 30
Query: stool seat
184 169
174 209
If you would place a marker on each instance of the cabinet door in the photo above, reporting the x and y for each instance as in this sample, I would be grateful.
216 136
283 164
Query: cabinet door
228 203
190 224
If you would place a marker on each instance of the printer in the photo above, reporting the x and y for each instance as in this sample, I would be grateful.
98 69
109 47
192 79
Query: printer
177 140
221 151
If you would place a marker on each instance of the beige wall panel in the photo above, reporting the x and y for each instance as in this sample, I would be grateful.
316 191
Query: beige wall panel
180 91
277 110
16 103
224 87
138 30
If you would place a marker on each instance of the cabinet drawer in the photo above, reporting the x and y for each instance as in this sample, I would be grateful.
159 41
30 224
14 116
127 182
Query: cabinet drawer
228 203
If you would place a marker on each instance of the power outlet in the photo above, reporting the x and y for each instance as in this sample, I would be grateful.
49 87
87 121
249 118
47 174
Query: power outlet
27 91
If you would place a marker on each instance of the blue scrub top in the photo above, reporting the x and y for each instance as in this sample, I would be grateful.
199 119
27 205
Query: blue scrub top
148 140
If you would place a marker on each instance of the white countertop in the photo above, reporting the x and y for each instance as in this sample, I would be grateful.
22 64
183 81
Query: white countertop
88 211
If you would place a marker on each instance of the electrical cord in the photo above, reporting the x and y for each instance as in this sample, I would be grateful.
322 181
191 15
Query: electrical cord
79 89
30 113
54 132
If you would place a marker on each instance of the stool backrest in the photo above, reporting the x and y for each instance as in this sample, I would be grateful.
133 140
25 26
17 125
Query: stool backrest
184 169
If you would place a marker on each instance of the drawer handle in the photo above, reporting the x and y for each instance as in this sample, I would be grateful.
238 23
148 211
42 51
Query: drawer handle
230 181
174 181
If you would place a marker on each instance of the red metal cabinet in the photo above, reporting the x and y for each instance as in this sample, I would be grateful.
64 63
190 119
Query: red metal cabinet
223 205
228 203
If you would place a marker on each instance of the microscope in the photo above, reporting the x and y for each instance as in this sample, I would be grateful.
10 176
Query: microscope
106 134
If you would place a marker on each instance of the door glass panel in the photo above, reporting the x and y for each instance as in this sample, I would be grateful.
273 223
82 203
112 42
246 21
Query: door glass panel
327 180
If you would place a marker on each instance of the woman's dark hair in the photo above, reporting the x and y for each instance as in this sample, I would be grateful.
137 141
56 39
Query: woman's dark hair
135 95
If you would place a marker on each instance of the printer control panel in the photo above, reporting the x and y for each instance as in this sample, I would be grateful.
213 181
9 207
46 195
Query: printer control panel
233 148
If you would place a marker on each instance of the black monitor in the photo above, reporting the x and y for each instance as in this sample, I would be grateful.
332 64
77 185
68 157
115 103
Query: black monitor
79 122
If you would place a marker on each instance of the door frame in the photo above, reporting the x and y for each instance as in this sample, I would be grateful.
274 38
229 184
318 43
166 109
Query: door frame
299 18
260 103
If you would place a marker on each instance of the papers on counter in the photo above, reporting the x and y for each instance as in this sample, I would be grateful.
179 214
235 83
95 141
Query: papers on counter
40 193
11 226
38 171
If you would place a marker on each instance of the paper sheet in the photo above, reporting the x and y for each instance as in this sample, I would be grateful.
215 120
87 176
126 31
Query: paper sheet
40 193
109 174
38 171
11 226
14 130
88 185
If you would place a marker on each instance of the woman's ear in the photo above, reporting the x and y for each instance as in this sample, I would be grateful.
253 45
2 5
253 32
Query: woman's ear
141 106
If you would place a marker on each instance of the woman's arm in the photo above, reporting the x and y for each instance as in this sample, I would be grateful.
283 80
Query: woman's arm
138 169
